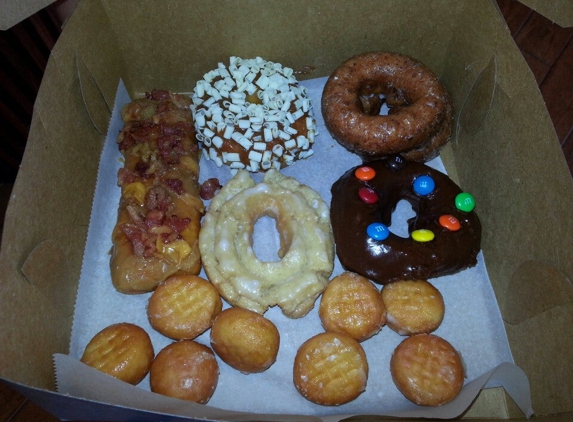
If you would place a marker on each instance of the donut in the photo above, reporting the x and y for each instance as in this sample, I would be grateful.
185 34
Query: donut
330 369
419 121
306 244
253 115
427 370
183 307
444 236
159 213
185 370
245 340
352 305
413 306
122 350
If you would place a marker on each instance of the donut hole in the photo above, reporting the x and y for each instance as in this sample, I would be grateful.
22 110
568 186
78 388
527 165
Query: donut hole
266 239
400 218
271 234
379 100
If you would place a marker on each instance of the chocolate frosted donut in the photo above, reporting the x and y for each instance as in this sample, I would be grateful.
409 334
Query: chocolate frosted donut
419 121
445 234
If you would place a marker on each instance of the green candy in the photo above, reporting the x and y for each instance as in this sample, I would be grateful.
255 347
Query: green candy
465 202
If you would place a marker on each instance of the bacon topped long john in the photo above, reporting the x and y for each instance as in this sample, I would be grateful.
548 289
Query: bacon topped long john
160 209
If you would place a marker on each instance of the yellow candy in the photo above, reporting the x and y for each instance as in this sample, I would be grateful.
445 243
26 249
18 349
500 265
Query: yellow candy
135 190
422 235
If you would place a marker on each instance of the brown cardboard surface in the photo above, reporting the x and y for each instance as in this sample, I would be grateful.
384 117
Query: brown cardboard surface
504 151
559 11
14 11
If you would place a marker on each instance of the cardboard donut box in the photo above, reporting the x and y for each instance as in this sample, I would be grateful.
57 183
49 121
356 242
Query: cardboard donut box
503 149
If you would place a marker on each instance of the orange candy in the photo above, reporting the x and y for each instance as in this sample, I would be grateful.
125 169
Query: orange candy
365 173
450 222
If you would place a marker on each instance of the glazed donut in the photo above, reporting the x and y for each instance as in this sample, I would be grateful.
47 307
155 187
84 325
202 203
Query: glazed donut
413 306
183 307
185 370
122 350
445 234
253 115
245 340
306 244
352 305
419 122
330 369
427 370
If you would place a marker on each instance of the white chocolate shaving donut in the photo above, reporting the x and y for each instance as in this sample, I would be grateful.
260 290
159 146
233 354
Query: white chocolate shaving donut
306 244
253 115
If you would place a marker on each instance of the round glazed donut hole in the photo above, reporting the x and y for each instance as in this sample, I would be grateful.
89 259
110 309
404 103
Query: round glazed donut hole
427 370
352 305
330 369
185 370
413 306
122 350
419 120
245 340
183 307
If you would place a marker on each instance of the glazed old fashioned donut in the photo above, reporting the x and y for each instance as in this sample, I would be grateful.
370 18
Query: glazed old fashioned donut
306 244
253 115
419 121
444 236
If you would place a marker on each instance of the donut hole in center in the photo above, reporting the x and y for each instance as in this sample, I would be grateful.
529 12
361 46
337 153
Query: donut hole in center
380 100
400 216
266 239
374 104
270 239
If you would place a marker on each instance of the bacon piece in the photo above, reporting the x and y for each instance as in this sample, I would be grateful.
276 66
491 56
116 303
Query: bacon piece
177 224
157 95
176 185
154 218
209 188
157 198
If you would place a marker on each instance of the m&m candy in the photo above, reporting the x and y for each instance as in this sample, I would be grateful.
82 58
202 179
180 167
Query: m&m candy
378 231
368 195
365 173
424 185
465 202
422 235
449 222
396 162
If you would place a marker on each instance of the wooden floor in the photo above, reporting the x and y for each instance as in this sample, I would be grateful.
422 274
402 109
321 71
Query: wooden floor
547 48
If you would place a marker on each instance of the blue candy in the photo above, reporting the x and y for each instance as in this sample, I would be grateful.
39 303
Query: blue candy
424 185
378 231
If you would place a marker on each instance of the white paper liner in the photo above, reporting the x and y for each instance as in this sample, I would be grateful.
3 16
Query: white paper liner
472 322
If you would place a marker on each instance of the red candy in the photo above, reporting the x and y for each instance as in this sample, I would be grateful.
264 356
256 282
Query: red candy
368 195
449 222
365 173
